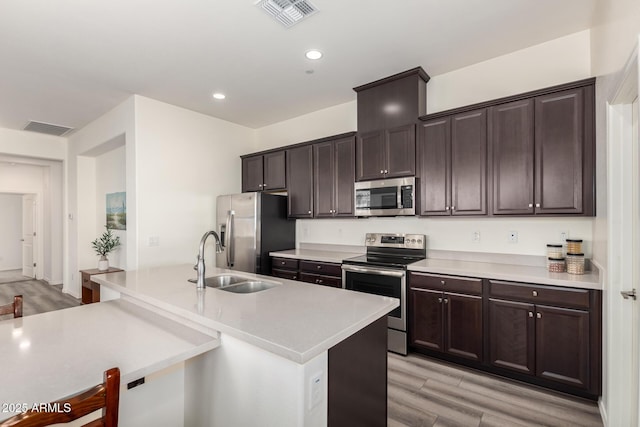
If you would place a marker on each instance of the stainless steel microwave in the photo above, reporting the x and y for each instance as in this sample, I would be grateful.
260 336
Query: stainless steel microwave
386 197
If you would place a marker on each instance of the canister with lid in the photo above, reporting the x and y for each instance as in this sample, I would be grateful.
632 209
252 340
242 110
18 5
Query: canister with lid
574 246
555 265
575 263
555 251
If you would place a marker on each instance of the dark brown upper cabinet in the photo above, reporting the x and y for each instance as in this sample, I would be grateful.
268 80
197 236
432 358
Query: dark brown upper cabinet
388 153
452 165
387 112
264 172
540 156
564 152
512 144
541 151
333 177
393 101
300 179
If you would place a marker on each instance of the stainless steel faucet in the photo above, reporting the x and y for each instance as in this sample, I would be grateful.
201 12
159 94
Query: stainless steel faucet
199 267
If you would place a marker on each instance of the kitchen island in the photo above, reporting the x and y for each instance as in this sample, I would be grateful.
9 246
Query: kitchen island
292 355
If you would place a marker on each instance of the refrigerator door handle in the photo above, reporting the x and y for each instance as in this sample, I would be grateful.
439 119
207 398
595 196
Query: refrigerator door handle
229 239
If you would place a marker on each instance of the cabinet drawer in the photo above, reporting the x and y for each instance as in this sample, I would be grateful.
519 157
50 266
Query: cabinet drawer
321 280
324 268
439 282
285 263
285 274
565 297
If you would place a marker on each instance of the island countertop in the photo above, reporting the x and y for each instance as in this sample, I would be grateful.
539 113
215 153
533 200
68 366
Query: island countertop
294 320
52 355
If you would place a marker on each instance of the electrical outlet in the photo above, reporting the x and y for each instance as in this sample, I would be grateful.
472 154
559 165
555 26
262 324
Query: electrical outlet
154 241
475 237
513 237
564 235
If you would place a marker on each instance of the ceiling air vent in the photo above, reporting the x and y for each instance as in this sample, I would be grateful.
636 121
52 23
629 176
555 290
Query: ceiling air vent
288 12
47 128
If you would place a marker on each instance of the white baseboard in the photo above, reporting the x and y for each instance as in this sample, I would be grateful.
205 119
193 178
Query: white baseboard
10 269
603 412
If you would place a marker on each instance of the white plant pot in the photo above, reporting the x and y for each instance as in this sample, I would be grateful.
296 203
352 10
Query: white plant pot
103 264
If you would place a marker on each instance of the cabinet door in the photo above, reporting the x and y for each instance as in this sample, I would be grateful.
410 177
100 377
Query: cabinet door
469 163
252 176
300 179
559 128
400 151
345 173
370 161
512 335
323 179
562 345
425 320
433 167
511 139
463 325
274 171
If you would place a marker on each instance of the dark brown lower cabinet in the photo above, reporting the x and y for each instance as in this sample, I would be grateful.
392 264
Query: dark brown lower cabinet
446 322
512 335
319 273
550 336
562 345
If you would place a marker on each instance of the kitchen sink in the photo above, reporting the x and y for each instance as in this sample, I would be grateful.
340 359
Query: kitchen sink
221 281
249 287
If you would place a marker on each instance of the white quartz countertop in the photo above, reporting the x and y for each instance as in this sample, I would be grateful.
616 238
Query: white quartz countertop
316 255
52 355
516 273
295 320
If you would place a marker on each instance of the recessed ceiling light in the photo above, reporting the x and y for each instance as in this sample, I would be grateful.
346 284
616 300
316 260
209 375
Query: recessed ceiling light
219 95
313 54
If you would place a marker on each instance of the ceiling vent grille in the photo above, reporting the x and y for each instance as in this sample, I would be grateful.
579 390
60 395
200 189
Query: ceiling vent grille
288 12
47 128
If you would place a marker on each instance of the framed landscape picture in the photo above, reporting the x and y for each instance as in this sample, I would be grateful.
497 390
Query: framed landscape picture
117 211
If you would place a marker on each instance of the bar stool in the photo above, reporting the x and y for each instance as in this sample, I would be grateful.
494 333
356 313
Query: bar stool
15 307
105 395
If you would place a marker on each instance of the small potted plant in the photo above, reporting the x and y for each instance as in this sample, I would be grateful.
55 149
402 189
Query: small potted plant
103 246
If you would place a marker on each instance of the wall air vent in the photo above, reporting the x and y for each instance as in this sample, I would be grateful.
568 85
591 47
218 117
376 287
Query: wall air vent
288 12
47 128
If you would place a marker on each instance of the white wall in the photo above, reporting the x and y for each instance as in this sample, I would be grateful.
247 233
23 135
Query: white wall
555 62
111 178
31 144
114 129
559 61
10 232
184 160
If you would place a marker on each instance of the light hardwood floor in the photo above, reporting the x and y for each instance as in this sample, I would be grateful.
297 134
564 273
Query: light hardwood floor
427 392
38 296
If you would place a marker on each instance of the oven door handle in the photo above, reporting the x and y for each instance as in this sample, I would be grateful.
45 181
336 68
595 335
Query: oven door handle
392 273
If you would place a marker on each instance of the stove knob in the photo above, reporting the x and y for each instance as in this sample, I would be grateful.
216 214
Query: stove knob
413 240
420 241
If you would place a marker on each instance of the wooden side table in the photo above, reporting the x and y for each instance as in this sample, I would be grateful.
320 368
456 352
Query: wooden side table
90 289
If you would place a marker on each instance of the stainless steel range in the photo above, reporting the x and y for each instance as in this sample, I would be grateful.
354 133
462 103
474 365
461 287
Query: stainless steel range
383 271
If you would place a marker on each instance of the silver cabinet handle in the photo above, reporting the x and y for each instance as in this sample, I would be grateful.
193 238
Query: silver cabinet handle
283 263
446 300
446 208
318 267
386 171
309 211
537 205
629 294
439 299
531 314
264 185
453 208
530 205
381 171
534 293
539 316
442 282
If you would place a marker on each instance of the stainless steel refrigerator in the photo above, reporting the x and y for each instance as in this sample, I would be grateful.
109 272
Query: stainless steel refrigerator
251 225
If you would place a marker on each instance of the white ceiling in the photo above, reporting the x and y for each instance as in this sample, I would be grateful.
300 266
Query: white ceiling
68 62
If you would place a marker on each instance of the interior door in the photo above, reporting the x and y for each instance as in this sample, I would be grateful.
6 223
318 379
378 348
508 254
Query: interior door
28 235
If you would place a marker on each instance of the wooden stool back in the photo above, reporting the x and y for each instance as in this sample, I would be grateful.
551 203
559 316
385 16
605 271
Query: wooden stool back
15 307
104 396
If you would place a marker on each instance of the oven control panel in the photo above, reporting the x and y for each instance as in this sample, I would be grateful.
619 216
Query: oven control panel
388 240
